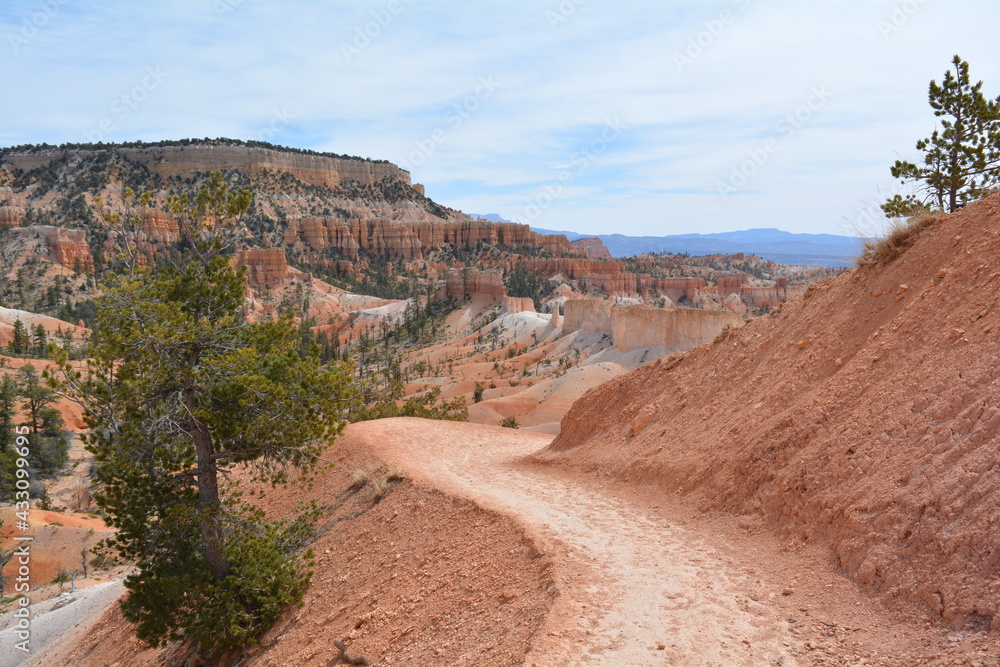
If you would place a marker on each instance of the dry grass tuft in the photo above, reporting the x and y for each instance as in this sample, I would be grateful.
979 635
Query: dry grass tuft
900 236
360 477
380 480
728 331
380 487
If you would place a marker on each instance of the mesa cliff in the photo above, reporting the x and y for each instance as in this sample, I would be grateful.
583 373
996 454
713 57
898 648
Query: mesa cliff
187 161
858 417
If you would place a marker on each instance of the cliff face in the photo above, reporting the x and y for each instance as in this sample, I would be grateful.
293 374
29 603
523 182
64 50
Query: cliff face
11 216
633 327
69 247
266 267
410 239
587 315
461 283
593 248
158 227
186 161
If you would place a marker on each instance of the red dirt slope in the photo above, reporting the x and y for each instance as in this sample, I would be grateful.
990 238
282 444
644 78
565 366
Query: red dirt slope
864 416
419 578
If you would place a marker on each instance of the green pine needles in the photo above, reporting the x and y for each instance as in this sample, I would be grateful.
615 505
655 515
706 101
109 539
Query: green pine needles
961 160
180 392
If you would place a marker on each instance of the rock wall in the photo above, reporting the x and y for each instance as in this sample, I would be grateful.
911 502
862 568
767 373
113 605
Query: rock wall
11 216
633 327
158 227
409 240
69 247
593 248
587 315
186 161
266 267
518 304
460 283
66 247
675 289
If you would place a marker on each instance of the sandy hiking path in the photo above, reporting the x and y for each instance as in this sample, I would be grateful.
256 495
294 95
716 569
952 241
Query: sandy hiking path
635 589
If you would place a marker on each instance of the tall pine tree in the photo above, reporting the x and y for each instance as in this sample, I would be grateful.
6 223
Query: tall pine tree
961 161
180 390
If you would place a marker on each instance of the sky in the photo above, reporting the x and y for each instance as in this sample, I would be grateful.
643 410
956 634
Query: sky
635 117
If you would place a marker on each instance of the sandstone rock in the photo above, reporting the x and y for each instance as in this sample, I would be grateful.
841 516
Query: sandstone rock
592 248
158 227
587 315
517 304
186 161
11 216
462 283
679 330
266 267
69 247
557 317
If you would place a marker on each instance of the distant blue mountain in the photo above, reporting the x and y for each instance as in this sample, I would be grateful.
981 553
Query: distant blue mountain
492 217
773 244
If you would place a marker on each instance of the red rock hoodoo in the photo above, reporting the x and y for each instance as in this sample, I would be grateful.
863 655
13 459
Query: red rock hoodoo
266 267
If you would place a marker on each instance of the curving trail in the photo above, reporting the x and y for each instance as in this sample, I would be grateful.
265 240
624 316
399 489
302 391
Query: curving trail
629 582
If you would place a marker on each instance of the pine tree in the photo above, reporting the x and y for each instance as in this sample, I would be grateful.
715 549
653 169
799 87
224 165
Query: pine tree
180 390
961 160
8 458
19 341
39 341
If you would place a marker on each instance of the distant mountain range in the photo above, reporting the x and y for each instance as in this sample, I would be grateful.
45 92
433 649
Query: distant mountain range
773 244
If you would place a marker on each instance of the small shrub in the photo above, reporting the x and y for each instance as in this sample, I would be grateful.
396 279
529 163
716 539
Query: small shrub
359 478
900 236
477 394
726 333
380 487
509 422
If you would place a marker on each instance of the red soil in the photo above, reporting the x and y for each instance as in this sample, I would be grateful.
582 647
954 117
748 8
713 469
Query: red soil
862 416
419 578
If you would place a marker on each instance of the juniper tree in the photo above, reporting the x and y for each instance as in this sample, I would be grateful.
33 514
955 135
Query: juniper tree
961 161
180 391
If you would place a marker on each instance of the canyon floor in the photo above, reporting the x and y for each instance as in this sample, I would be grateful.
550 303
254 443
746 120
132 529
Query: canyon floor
481 558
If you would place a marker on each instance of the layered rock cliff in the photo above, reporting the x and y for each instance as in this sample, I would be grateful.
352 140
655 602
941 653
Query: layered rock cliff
266 267
11 216
187 161
634 326
593 248
462 283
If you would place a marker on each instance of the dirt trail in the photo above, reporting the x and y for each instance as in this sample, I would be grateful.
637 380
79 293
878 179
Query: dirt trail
630 582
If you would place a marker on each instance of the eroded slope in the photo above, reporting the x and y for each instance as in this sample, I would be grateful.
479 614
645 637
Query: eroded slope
863 415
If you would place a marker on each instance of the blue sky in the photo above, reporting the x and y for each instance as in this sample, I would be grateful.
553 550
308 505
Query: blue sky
635 117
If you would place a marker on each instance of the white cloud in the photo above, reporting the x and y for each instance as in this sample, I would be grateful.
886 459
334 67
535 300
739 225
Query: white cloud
558 84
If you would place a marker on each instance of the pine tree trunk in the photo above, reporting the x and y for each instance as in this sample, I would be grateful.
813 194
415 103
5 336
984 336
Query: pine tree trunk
208 494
